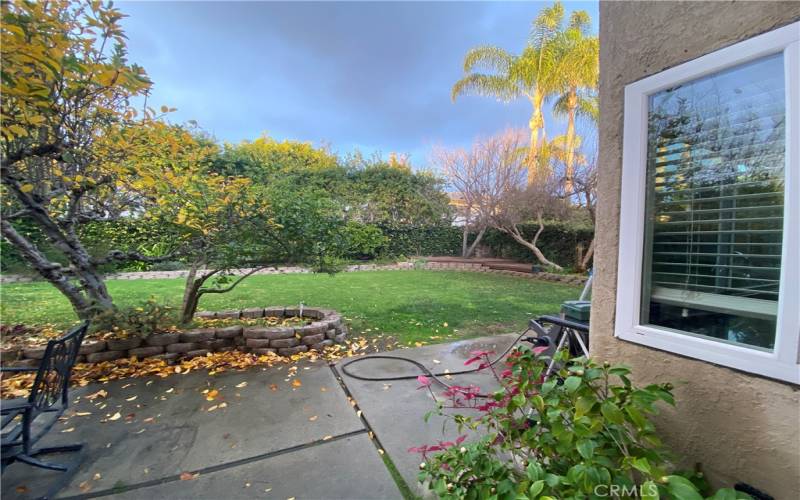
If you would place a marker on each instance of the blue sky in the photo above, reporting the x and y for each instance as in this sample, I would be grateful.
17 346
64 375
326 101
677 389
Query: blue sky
369 75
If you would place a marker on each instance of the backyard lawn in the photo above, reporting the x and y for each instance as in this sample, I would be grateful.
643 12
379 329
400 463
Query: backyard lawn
412 306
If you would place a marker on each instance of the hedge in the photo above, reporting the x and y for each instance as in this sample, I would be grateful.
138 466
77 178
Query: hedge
434 240
559 242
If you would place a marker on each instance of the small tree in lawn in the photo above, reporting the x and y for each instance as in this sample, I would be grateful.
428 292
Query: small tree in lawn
66 83
535 202
252 226
483 177
225 222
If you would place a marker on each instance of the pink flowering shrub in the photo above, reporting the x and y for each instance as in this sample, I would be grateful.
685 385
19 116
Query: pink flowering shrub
584 432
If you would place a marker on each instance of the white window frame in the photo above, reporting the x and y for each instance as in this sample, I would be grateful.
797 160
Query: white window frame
784 361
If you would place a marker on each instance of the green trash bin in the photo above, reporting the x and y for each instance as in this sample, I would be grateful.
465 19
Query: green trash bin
576 310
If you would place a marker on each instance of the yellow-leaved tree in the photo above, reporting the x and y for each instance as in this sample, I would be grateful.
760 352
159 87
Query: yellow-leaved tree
65 83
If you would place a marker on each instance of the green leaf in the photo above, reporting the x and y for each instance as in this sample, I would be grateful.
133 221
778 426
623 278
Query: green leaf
729 494
586 448
519 400
552 480
572 384
680 487
642 464
548 386
534 471
536 488
619 370
636 417
584 405
612 412
538 403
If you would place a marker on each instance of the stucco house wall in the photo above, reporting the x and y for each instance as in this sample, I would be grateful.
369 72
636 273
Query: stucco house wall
738 426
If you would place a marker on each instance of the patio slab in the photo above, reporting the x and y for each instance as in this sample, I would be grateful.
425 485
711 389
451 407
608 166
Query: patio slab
320 472
165 428
395 409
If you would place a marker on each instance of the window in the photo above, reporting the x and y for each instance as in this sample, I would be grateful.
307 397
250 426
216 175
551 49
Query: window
709 259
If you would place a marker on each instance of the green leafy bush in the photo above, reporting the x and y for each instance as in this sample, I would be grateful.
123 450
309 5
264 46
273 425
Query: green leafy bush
585 432
135 321
363 240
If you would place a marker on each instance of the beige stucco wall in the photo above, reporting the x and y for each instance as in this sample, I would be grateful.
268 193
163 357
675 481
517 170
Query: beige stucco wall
739 427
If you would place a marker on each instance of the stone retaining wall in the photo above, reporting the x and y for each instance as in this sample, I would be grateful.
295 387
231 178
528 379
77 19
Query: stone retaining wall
326 328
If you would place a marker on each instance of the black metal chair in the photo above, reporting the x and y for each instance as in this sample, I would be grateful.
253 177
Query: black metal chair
26 420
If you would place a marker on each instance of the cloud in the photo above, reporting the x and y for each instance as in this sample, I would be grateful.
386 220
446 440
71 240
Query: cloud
349 74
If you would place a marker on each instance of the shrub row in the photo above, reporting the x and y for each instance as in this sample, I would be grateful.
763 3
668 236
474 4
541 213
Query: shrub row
559 242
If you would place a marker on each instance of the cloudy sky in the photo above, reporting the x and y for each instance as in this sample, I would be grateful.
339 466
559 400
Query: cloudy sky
369 75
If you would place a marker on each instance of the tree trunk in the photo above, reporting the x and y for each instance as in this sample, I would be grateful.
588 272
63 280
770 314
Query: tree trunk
464 240
584 264
465 235
532 245
48 270
92 290
536 171
569 160
474 245
191 292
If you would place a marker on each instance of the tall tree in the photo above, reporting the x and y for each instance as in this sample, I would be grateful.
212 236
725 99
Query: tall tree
65 83
577 71
493 72
483 177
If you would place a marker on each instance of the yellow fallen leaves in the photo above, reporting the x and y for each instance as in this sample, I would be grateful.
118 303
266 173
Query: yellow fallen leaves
312 419
296 383
221 405
99 394
115 416
188 476
212 395
84 373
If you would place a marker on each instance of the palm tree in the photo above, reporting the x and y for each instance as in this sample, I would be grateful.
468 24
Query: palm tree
577 70
507 77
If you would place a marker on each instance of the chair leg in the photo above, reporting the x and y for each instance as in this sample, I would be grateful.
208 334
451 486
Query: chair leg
58 449
31 459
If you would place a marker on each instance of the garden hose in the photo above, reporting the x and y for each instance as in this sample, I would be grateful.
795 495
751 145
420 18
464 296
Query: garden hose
424 369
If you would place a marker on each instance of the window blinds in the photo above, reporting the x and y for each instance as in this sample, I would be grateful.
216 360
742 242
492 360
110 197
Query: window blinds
715 191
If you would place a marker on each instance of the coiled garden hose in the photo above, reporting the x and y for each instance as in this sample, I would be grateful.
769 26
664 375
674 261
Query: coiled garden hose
435 376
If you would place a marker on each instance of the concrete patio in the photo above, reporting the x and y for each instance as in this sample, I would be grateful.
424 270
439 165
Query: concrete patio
265 433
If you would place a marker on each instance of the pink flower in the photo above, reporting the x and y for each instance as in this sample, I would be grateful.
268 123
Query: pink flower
539 349
488 406
461 439
505 374
477 356
424 382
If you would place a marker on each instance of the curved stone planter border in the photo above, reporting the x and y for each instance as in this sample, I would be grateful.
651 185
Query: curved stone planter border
326 329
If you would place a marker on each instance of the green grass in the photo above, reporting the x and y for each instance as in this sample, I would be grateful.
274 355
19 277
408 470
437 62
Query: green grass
410 305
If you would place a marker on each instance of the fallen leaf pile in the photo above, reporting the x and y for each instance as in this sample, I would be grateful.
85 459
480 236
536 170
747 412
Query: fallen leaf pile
84 373
15 337
267 321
